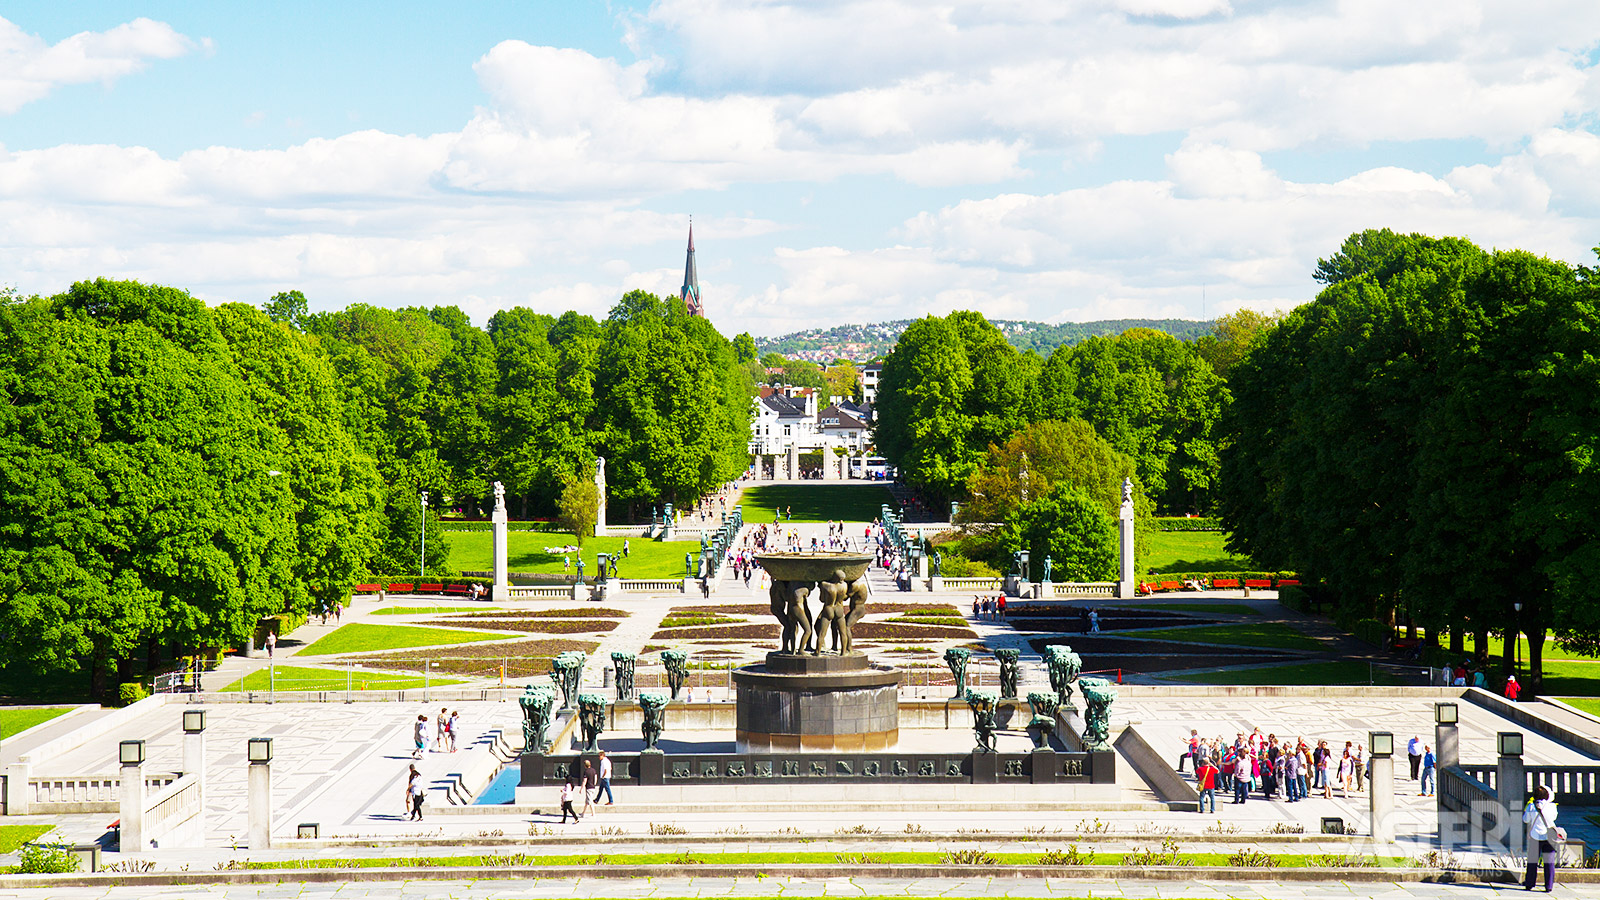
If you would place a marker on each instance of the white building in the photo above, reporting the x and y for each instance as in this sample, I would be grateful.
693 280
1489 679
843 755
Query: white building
868 375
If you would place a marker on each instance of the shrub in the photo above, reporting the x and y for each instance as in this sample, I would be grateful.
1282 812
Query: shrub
1185 523
956 566
1373 632
1072 856
1293 598
968 857
131 692
1252 859
544 526
47 859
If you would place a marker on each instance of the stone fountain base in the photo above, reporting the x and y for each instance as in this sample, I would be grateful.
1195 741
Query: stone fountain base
824 704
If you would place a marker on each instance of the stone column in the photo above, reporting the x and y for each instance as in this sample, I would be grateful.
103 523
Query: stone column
1380 798
1125 574
194 763
1446 746
132 811
502 578
793 463
19 795
600 502
1510 783
259 789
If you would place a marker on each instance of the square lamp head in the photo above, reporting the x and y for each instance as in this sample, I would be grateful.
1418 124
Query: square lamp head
194 721
260 750
131 753
1509 743
307 830
1446 713
1380 743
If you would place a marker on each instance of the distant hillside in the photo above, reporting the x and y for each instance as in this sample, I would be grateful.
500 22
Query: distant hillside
861 342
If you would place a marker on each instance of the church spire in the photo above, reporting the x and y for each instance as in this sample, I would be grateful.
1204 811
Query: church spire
691 279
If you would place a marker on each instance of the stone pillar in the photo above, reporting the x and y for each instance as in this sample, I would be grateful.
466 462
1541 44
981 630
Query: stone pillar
502 578
132 811
1446 746
194 763
793 463
600 501
1380 798
1125 573
19 796
1510 784
259 789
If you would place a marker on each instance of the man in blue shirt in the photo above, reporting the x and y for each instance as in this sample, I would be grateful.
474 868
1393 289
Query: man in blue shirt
1429 773
1414 752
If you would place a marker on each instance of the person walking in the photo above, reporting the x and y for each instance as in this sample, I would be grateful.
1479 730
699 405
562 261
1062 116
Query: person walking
1430 772
411 779
1291 776
441 734
591 781
1191 750
1543 835
419 735
1511 691
272 643
1414 754
1205 776
605 780
567 794
1094 621
452 727
418 794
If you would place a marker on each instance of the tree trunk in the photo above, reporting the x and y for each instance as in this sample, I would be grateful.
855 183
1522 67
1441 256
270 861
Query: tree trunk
1508 651
1458 640
97 674
152 656
1535 683
1411 627
1480 646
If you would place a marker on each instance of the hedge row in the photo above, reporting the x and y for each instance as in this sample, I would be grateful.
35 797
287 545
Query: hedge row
1208 576
448 526
1186 523
383 581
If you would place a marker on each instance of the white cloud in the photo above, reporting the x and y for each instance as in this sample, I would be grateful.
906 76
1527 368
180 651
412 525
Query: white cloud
30 68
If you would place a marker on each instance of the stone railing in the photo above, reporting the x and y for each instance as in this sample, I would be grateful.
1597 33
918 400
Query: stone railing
1082 589
650 585
526 591
972 584
169 810
84 793
1569 785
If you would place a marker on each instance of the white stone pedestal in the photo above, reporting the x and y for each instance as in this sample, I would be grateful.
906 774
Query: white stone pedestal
259 791
1380 799
132 809
194 763
502 580
1125 575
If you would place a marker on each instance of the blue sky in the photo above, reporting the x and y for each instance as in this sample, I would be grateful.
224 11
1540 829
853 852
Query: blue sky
845 160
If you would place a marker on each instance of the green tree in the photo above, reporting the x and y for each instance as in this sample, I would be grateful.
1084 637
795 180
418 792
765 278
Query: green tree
1072 529
744 348
288 307
1231 338
580 505
922 424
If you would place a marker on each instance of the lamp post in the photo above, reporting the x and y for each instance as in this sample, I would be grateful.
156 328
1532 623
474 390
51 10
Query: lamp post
422 561
258 793
130 756
1516 646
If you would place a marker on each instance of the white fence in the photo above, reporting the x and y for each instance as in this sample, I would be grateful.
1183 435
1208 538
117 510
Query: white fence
972 584
1082 589
172 814
84 793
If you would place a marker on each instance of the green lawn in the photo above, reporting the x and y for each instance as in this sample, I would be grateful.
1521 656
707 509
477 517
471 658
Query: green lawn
1221 609
360 637
820 502
1192 551
422 610
1345 671
1245 634
1590 705
473 551
306 678
14 836
1564 677
1496 647
16 721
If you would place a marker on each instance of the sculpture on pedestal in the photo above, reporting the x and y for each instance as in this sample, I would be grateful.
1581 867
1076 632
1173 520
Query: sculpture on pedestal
1043 724
789 605
654 707
1064 666
956 658
1098 695
1008 671
566 670
536 703
831 615
677 663
499 496
982 705
623 664
1048 565
592 719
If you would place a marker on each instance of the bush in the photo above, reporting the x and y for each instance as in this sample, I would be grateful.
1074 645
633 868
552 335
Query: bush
1373 632
1184 523
47 859
131 692
1294 598
953 565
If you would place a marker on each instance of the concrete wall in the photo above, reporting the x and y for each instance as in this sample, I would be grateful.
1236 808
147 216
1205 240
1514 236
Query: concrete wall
1154 769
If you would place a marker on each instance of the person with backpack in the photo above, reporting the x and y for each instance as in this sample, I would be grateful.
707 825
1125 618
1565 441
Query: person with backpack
1543 836
1205 776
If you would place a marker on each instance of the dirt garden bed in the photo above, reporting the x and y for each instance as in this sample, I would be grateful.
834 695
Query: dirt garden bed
522 659
542 626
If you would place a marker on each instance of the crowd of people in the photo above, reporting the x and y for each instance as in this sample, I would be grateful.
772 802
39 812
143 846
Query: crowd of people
989 606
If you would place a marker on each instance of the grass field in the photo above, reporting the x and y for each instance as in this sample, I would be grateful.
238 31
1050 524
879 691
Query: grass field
307 678
820 502
1344 671
14 836
360 637
1191 551
422 610
1496 646
1576 678
16 721
473 551
1245 634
